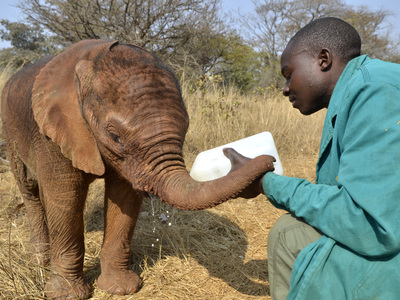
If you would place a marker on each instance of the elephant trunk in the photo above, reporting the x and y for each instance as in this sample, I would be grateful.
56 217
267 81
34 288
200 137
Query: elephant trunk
181 191
158 166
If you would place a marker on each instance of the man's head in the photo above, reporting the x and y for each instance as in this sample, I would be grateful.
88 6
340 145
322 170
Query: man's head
314 59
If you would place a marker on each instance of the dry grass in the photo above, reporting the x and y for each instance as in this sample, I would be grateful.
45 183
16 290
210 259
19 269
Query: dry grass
223 115
220 253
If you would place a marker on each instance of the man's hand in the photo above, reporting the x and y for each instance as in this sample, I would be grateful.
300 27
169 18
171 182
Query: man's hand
237 161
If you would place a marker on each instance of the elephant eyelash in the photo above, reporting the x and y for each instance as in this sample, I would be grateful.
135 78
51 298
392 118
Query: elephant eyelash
116 138
114 134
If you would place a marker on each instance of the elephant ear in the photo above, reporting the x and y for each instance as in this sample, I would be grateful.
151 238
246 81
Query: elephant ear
56 107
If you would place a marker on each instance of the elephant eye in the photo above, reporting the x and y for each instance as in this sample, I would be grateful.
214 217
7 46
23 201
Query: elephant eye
115 137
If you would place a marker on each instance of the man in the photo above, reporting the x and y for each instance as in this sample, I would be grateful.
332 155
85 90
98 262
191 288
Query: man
341 237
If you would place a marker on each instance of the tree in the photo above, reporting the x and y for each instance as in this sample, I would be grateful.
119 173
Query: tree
274 22
190 35
237 61
175 30
376 41
266 28
28 44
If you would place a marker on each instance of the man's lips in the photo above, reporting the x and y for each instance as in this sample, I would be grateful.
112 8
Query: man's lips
293 101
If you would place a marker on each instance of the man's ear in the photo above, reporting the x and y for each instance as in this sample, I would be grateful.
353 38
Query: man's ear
325 59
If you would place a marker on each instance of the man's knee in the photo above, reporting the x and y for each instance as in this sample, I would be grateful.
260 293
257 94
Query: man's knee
282 225
293 232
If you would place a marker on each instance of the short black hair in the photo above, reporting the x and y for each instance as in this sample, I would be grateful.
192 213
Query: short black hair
329 32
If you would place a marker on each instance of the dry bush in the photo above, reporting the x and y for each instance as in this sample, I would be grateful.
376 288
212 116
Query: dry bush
219 253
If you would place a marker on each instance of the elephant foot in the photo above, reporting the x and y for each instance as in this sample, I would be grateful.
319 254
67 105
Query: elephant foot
123 282
58 287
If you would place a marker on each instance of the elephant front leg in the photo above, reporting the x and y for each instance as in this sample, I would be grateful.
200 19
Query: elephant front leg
122 205
64 200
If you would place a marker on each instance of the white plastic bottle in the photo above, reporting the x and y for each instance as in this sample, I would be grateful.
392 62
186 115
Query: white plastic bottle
212 164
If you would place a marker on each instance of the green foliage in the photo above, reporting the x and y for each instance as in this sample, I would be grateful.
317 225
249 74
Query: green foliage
28 44
239 63
228 58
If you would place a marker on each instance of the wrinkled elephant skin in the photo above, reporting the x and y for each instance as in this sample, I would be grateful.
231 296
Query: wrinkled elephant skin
101 109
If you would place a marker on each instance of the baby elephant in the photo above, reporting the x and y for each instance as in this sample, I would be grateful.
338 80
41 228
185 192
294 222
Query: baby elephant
101 109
